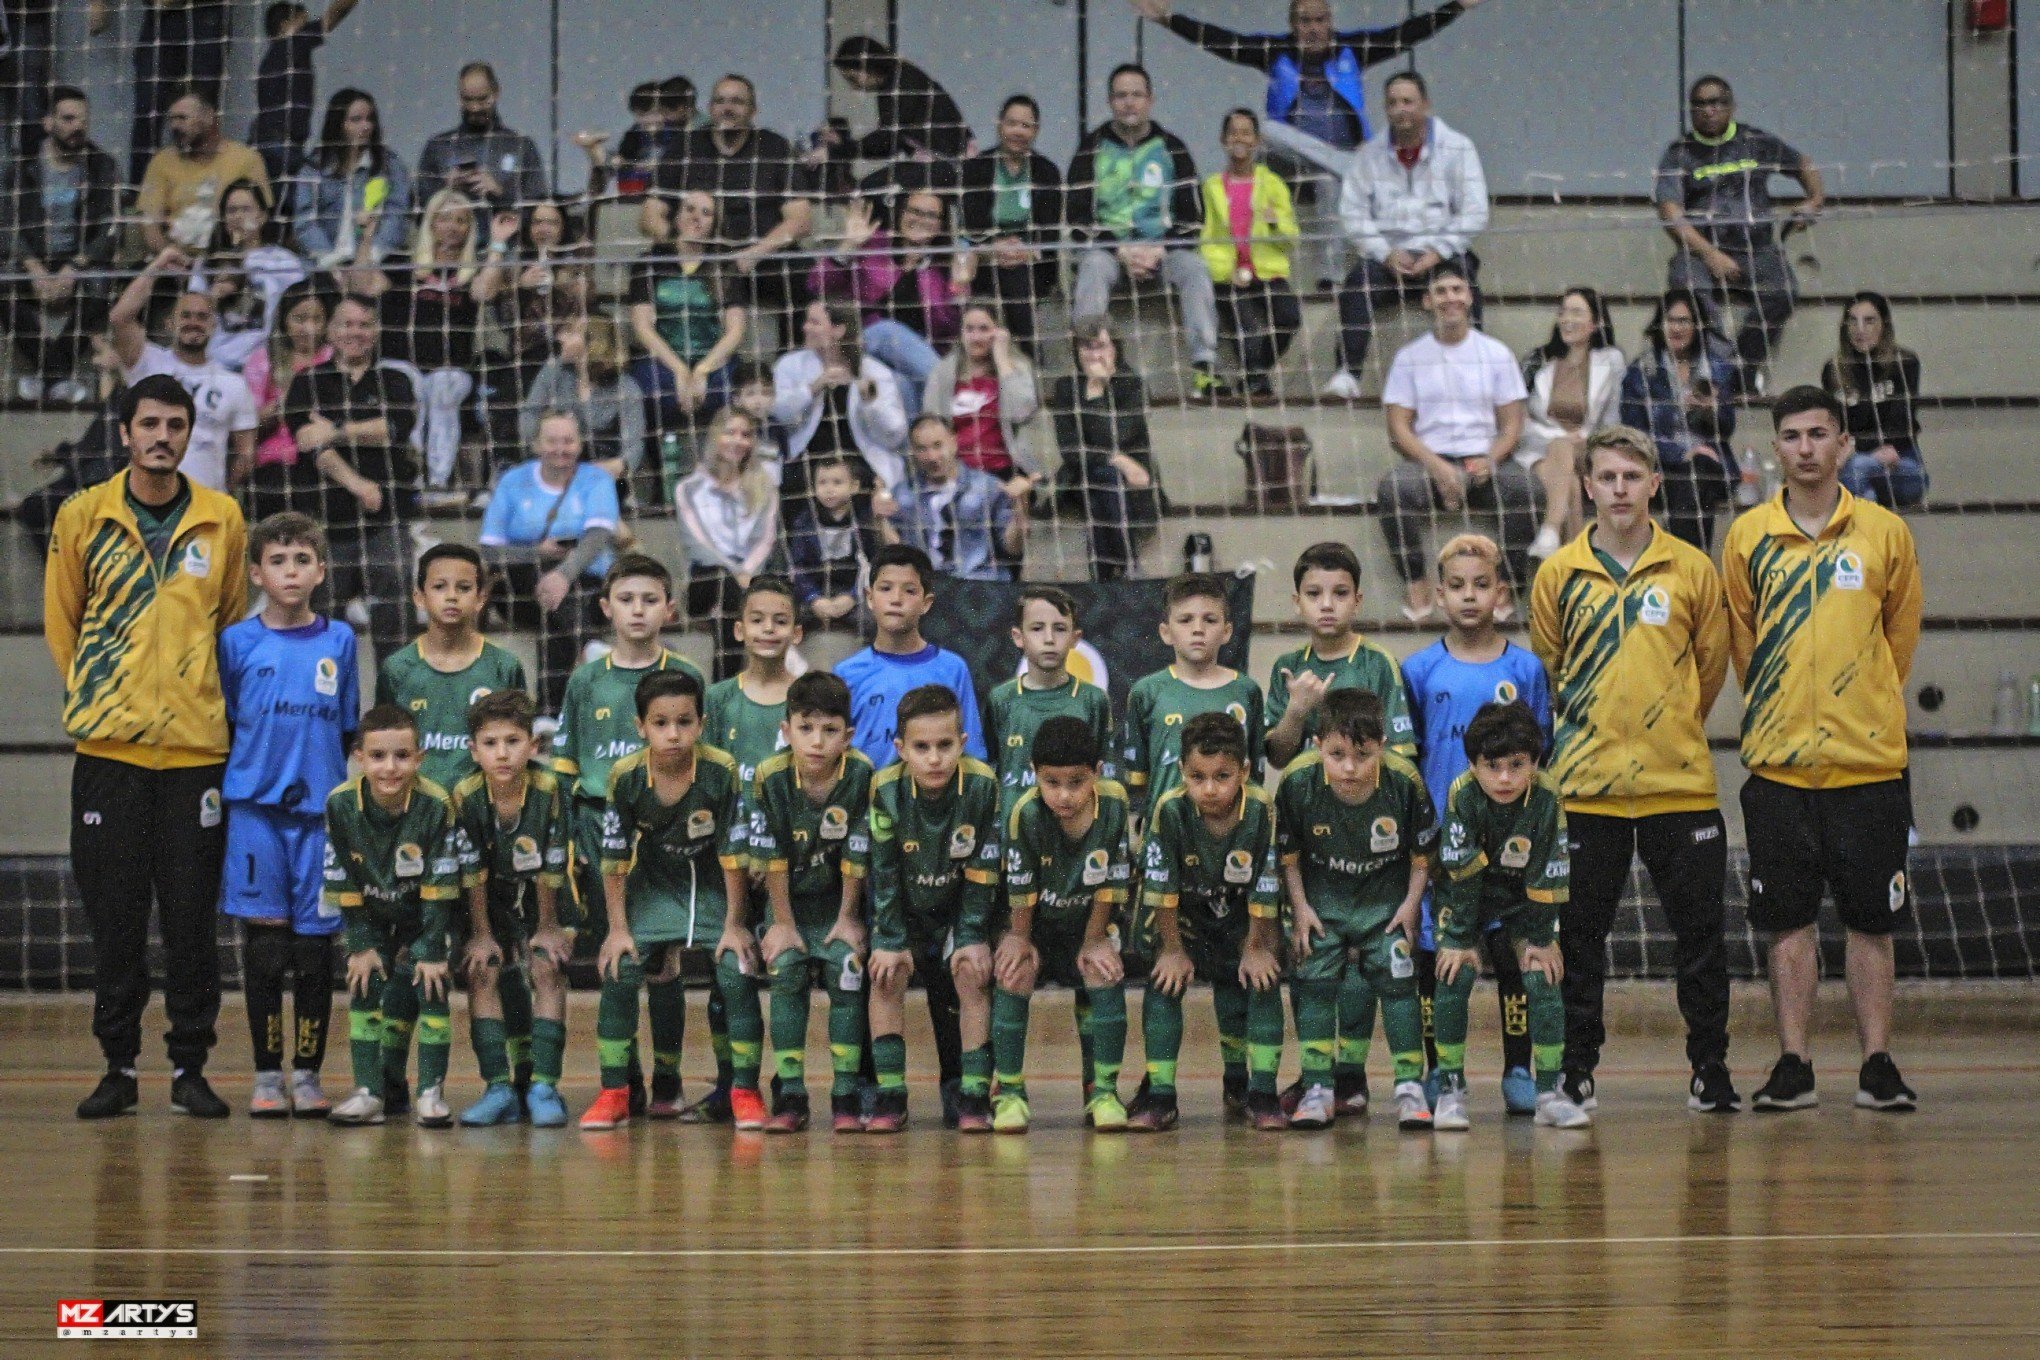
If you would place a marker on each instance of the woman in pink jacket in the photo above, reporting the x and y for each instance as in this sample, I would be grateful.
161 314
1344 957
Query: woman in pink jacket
909 283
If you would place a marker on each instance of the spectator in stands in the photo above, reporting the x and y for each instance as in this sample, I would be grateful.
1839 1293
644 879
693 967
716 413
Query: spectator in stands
638 151
296 343
1878 383
1413 201
26 89
223 434
985 388
286 83
351 418
752 388
1575 381
1133 200
909 283
246 270
917 118
729 524
61 222
548 528
1108 469
352 177
483 159
552 283
1682 391
179 199
182 48
830 541
1249 231
833 398
687 312
1714 196
1454 405
969 524
585 378
1012 213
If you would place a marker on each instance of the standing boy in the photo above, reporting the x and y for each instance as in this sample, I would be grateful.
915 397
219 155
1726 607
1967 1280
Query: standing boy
901 591
1338 656
438 677
1045 631
1195 627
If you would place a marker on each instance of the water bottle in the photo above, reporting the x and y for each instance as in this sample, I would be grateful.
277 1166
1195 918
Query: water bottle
1749 489
1197 552
2033 707
2004 713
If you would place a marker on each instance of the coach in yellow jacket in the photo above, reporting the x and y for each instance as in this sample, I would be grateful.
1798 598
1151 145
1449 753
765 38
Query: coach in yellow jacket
1824 613
144 571
1630 621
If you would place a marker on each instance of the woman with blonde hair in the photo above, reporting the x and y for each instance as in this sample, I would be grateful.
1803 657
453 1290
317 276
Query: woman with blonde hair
728 512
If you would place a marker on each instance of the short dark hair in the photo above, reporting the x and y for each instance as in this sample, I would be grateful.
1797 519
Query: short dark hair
388 718
501 705
1326 556
767 585
1026 99
821 694
1797 401
1693 90
286 528
1193 585
277 15
1499 730
1215 734
1064 740
60 93
931 418
926 701
631 564
481 68
667 685
1130 68
1242 111
1448 269
450 552
676 92
900 555
1054 596
644 97
744 372
1356 714
157 387
1410 78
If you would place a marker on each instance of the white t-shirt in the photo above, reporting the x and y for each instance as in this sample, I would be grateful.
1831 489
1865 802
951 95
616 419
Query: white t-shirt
224 406
1454 389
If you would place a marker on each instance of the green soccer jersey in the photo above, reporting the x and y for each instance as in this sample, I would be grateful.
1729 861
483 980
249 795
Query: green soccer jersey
1060 878
1015 713
933 859
1215 884
1365 665
747 729
1156 710
530 849
440 700
1355 859
673 855
1499 858
598 719
392 876
793 834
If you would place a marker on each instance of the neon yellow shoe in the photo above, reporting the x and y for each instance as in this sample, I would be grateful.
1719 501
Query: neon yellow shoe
1104 1112
1010 1113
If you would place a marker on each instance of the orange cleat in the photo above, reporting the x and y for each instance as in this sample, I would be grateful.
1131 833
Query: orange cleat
611 1110
747 1110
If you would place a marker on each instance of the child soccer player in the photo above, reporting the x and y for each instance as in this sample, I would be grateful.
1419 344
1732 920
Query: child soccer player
1045 631
1067 876
1208 880
1503 861
514 826
597 729
673 854
803 806
1356 828
293 699
1472 665
393 875
902 589
932 855
438 677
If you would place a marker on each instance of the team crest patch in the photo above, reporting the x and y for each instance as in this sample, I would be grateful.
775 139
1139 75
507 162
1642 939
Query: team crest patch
410 860
1516 852
326 676
1656 607
524 856
1505 691
1848 573
1239 867
835 824
1238 713
209 809
1384 835
1400 964
700 822
962 841
197 559
1095 865
1898 891
479 693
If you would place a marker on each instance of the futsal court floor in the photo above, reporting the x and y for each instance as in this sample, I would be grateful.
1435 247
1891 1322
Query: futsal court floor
1656 1233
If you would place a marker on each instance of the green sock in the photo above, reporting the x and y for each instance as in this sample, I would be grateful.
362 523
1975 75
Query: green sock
790 1020
1161 1036
1009 1040
548 1050
1082 1005
1356 1022
616 1022
1317 1022
1402 1024
977 1070
515 990
1264 1039
1547 1029
1231 1006
1448 1018
400 1017
666 1008
435 1041
1108 1035
846 1030
364 1038
719 1036
889 1056
743 1021
491 1054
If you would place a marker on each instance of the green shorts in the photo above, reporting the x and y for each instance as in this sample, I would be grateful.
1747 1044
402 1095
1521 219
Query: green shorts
1059 943
834 966
1214 945
1363 942
1521 920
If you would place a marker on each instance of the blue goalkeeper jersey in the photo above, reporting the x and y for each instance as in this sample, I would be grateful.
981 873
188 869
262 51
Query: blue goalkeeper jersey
293 704
877 680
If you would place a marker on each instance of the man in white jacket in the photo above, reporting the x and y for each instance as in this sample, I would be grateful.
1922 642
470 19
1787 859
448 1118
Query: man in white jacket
1413 199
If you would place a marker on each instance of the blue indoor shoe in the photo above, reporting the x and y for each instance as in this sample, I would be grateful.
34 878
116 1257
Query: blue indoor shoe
1519 1091
498 1105
548 1111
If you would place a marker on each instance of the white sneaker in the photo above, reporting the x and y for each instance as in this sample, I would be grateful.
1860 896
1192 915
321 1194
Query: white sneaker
307 1101
1316 1110
1554 1111
1412 1110
430 1108
1450 1114
363 1107
70 392
1545 544
1343 386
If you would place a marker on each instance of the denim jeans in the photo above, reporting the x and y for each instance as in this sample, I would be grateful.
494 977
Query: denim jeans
1903 483
900 348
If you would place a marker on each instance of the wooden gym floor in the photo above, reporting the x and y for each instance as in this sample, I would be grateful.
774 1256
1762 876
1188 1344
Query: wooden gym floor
1657 1233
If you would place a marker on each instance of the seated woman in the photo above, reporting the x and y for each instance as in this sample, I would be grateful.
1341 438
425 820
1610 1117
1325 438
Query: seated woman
552 282
1682 393
908 284
585 377
729 523
351 178
1249 232
1878 383
833 398
246 269
1012 212
687 313
1108 463
1575 379
297 343
985 388
549 527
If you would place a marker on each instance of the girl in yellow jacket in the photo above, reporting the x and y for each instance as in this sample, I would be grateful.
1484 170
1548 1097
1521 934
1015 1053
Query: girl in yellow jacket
1249 234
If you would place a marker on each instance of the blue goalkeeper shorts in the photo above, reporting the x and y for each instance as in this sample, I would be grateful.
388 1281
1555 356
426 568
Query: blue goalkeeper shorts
275 868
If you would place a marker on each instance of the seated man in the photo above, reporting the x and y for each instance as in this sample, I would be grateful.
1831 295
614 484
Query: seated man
179 200
967 522
482 157
1133 196
61 224
1413 200
1454 401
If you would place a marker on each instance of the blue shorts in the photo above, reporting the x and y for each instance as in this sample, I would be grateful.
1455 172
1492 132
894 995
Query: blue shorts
275 868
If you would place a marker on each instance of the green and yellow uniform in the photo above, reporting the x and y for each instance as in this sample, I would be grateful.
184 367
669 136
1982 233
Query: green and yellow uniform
747 729
1363 665
1156 710
1016 711
439 701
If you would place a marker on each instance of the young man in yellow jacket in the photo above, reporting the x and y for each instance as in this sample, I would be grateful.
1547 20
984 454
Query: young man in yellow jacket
144 571
1631 623
1824 614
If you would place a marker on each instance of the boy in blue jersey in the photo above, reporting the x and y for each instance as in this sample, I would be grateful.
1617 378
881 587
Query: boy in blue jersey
294 702
1448 681
902 589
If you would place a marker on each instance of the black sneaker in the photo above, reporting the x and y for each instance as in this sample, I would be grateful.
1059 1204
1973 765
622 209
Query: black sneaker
1879 1087
1236 1096
1712 1092
1290 1097
116 1094
396 1098
952 1102
1790 1086
189 1094
1349 1091
1579 1089
1151 1113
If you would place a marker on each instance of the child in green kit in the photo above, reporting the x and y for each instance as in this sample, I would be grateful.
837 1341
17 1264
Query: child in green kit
1045 631
1067 877
514 829
393 874
1356 826
803 806
1504 859
1208 881
673 854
